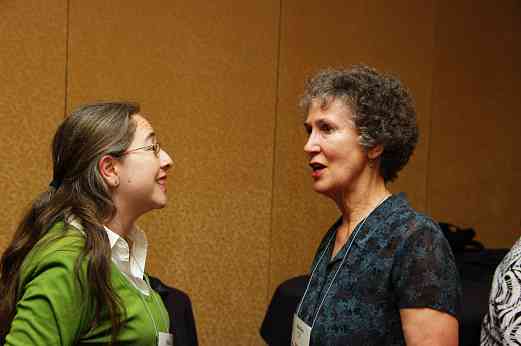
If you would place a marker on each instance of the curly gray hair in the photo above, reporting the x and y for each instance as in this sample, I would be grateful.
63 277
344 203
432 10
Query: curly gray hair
383 111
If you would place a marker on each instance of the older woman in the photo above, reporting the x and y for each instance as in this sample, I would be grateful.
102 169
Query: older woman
383 274
74 271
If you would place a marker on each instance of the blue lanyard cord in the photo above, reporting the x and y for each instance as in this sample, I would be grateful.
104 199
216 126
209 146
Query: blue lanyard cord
355 234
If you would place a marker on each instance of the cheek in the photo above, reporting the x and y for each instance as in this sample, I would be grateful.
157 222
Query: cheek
336 153
347 157
129 177
135 178
141 173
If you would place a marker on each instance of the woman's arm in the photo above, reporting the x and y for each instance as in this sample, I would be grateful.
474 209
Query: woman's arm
50 310
427 286
424 326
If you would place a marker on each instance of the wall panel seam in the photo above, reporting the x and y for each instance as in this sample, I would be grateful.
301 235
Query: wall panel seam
274 151
67 37
428 189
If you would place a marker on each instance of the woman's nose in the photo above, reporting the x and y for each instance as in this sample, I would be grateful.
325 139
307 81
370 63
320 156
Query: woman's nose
311 145
165 160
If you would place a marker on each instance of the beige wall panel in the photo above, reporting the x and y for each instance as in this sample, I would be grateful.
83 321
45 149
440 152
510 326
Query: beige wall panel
205 74
32 94
397 39
474 173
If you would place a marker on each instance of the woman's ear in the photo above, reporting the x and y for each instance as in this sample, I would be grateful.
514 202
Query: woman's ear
108 170
375 152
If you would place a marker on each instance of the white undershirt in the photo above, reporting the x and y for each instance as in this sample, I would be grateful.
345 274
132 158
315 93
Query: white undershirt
133 266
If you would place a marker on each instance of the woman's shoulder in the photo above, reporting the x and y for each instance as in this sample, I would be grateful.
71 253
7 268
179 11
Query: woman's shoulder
61 237
511 261
61 245
401 215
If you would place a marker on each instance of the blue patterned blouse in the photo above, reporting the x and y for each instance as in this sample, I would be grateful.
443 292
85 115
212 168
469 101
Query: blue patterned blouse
399 259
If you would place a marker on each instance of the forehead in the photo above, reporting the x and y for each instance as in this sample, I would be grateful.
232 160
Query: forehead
141 122
334 110
144 130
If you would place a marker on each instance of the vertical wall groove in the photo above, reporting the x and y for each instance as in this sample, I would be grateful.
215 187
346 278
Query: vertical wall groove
431 111
274 150
67 31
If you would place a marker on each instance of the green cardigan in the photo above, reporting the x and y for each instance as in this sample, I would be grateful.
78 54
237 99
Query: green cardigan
54 309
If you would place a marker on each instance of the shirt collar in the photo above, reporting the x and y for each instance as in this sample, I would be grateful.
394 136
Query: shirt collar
132 261
131 266
75 222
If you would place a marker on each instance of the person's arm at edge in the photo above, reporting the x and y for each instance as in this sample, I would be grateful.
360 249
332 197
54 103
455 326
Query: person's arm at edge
425 326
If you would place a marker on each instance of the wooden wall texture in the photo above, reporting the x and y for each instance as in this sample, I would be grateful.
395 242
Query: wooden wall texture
220 83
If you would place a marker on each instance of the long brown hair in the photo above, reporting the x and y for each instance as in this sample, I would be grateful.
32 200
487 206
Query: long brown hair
77 189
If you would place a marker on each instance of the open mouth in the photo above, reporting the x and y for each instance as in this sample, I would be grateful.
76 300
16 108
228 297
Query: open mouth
316 167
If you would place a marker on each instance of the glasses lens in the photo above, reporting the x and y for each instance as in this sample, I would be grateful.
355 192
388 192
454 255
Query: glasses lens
157 148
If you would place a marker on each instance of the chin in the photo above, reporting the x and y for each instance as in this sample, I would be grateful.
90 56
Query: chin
323 190
327 190
161 204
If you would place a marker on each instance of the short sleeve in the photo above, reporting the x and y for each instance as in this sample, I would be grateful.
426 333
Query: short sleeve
424 273
51 309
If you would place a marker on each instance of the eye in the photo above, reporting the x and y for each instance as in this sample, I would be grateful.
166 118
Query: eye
156 148
326 128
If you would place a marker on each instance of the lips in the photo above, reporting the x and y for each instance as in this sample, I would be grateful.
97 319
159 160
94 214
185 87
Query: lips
162 182
317 168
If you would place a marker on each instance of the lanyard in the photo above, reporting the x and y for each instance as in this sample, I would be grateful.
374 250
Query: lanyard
355 233
149 313
155 301
351 241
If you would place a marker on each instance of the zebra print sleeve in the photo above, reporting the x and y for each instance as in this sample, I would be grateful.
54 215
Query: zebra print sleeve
502 323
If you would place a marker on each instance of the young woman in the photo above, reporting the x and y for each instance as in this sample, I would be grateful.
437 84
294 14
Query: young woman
74 271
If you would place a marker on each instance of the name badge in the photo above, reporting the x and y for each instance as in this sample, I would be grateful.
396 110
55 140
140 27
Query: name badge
301 332
165 339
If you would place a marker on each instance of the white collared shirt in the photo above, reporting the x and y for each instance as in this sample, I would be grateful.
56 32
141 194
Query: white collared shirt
131 266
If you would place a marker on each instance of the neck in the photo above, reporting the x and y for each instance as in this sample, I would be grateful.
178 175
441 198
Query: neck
120 225
362 198
356 204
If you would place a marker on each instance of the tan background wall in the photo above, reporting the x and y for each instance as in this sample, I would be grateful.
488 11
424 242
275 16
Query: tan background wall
220 81
474 168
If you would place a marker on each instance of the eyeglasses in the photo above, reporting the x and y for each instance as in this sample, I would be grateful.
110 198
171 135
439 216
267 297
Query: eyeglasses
156 148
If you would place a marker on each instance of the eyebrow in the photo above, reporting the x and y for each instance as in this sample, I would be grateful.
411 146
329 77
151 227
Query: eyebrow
317 121
151 135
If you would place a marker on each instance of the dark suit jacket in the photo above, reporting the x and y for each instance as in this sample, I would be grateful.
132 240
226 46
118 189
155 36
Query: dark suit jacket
179 306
